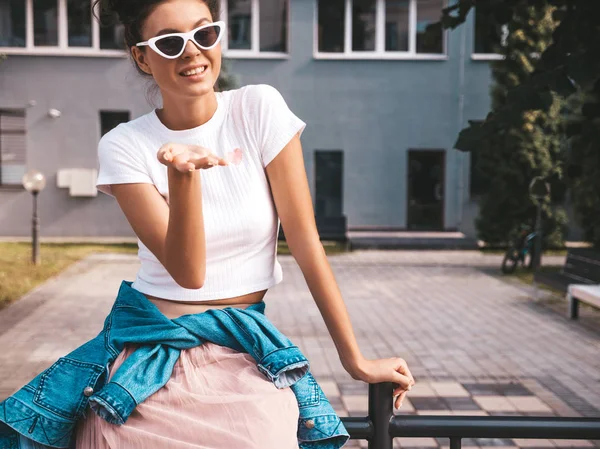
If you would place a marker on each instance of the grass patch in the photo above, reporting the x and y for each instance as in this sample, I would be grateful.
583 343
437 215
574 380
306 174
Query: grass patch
18 275
331 248
526 276
547 252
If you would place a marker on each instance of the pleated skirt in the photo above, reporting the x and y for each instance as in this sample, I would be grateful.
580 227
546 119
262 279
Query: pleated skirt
215 399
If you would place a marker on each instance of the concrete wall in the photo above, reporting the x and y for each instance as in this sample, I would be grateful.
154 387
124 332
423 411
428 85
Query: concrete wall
372 110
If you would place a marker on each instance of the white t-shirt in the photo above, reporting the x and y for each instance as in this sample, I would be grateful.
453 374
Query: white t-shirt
241 223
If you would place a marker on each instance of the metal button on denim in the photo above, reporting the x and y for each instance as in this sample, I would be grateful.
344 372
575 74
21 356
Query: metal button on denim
88 391
309 423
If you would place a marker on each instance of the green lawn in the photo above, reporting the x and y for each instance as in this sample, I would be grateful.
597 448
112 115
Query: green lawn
331 248
526 276
18 275
547 252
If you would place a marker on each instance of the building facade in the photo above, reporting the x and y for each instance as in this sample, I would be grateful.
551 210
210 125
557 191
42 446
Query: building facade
383 102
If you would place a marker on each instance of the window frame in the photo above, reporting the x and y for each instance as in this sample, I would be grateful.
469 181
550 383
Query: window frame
380 51
254 52
62 49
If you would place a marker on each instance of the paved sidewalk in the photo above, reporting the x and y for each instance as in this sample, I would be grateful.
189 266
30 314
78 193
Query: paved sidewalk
476 344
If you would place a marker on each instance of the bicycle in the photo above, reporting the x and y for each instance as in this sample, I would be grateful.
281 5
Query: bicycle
521 251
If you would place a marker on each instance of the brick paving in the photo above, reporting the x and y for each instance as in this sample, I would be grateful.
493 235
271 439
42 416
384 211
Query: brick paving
477 345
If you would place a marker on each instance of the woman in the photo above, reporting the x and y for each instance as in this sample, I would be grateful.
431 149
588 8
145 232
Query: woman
205 208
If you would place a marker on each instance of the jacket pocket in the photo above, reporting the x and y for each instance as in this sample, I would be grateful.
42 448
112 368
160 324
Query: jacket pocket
66 386
307 391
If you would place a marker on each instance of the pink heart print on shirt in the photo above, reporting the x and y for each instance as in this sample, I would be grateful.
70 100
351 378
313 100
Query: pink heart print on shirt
234 157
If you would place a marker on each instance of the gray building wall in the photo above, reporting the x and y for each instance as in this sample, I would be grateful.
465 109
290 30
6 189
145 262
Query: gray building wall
375 111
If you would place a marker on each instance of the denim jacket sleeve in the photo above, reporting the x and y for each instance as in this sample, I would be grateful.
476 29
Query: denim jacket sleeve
39 413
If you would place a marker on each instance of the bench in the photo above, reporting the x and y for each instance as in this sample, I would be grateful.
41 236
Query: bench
581 270
590 294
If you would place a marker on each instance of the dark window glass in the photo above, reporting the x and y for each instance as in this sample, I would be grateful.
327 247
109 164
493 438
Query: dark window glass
363 25
12 23
45 23
112 33
110 119
488 35
329 172
273 25
331 25
12 146
240 24
396 25
431 41
79 16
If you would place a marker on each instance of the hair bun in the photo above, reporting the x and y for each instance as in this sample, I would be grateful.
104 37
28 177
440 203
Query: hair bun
125 10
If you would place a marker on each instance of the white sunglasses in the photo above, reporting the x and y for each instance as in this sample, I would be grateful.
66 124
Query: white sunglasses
172 45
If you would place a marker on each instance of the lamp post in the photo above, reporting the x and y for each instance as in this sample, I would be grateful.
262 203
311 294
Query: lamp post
539 190
34 182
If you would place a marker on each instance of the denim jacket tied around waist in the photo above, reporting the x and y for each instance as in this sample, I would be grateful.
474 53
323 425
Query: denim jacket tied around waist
44 412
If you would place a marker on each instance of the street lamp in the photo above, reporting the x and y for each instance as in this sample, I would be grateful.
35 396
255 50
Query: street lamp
34 182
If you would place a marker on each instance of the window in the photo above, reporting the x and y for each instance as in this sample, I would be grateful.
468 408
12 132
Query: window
256 28
363 25
12 23
45 23
112 35
79 25
331 29
55 27
110 119
396 25
489 36
329 170
12 146
379 29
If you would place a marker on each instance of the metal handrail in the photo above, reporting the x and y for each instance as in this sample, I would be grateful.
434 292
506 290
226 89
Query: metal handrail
381 426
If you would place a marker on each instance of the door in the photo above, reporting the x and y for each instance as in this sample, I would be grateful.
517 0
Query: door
329 174
329 170
426 190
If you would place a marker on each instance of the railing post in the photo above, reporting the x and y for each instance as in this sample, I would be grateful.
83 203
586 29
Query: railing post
455 443
380 413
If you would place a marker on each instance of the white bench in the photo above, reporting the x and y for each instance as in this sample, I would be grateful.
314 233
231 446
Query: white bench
590 294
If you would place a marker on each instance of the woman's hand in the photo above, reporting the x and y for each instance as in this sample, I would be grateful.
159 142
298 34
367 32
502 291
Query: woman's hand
393 370
186 158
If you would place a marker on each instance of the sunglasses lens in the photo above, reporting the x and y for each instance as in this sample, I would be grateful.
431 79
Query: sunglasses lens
207 37
170 46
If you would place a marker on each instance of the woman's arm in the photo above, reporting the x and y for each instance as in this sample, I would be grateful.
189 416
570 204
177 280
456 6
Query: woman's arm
174 233
291 194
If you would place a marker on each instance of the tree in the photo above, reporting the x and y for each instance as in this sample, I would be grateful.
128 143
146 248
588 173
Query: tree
528 145
569 65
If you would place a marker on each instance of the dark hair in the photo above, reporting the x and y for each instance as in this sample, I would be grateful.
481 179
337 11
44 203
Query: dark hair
133 14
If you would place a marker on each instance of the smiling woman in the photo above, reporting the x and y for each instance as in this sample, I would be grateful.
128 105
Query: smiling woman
187 357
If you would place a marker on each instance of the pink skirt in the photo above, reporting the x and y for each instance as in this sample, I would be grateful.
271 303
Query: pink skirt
215 399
